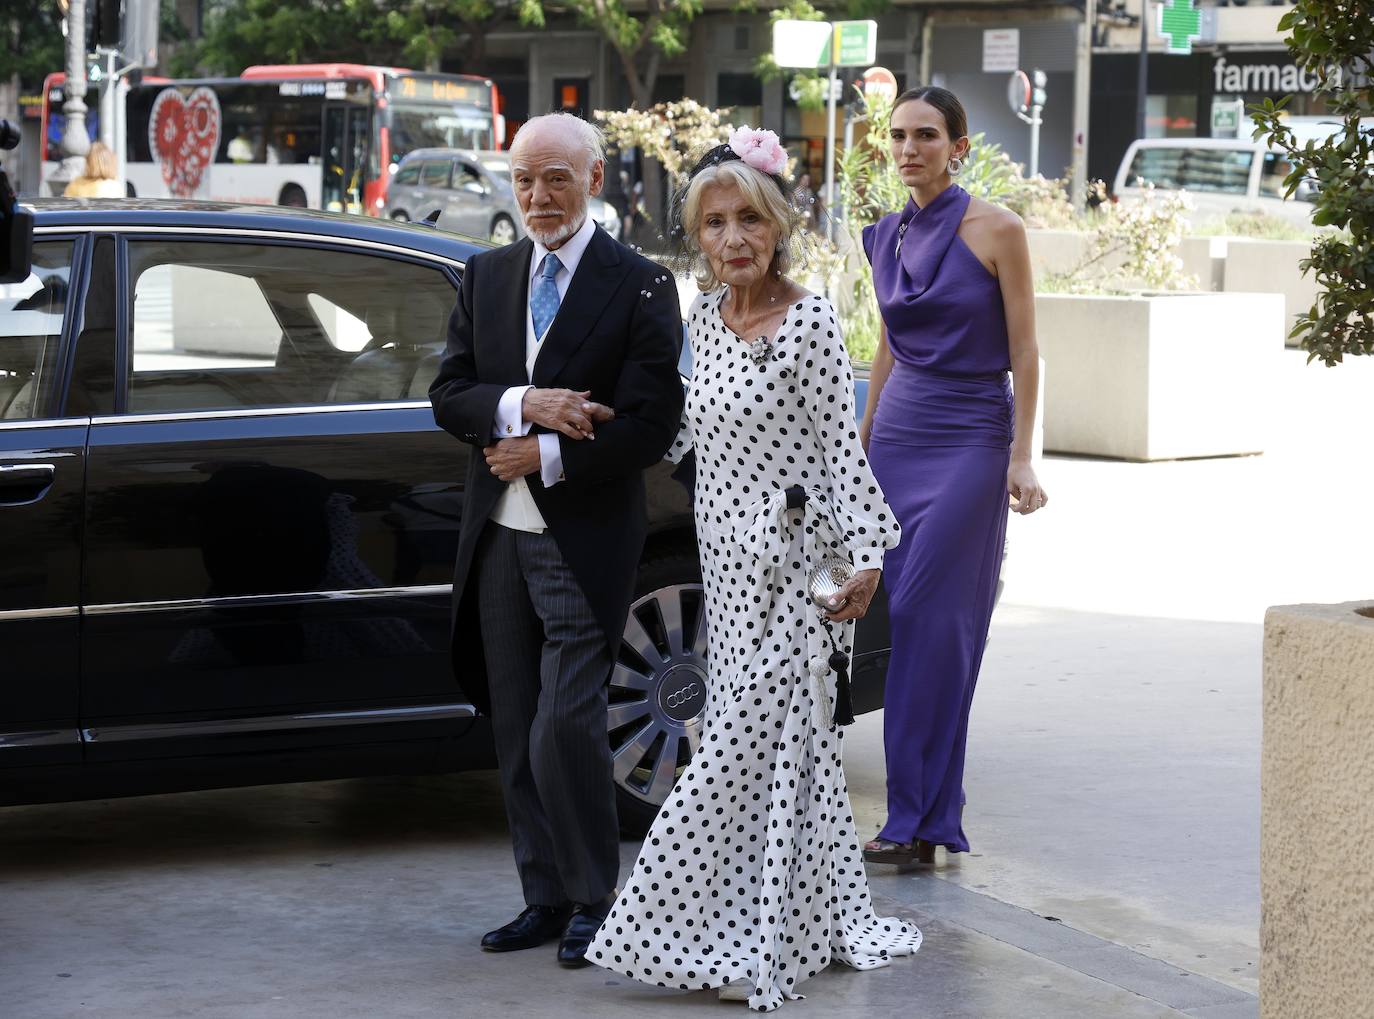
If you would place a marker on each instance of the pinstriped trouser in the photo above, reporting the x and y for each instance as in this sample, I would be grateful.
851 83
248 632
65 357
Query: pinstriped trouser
547 666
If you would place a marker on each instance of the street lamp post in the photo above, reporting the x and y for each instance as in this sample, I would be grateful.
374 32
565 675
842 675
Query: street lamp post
75 142
1142 70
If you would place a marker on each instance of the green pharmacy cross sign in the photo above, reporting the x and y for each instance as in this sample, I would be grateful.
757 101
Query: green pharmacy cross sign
1180 22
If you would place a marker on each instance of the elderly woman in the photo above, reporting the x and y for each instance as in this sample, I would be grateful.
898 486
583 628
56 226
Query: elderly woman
751 880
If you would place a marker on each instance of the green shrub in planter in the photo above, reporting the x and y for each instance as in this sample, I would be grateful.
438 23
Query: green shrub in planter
1334 40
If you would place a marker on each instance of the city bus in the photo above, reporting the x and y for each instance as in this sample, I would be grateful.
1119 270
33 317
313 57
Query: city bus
320 136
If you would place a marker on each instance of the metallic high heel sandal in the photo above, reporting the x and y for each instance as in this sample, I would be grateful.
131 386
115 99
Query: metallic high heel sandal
880 850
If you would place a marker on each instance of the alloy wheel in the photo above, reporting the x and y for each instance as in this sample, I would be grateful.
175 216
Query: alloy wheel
658 692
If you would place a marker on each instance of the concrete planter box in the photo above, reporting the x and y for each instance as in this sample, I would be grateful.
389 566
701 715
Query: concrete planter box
1239 265
1271 267
1058 251
1317 812
1158 377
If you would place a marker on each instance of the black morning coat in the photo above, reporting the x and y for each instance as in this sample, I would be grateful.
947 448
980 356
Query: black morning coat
618 333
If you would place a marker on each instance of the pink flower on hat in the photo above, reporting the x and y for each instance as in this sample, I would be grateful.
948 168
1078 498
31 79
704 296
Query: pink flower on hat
759 148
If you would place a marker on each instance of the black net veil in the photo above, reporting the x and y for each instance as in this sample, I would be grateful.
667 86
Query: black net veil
683 255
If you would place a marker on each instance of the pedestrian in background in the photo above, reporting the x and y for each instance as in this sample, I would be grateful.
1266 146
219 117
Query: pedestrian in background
948 443
100 179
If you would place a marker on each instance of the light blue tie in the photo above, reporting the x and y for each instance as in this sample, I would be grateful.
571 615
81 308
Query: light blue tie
544 295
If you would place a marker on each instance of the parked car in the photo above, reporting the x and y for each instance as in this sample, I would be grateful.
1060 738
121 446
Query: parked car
234 569
472 193
1222 175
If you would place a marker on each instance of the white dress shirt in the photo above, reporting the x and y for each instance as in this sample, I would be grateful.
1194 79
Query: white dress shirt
516 508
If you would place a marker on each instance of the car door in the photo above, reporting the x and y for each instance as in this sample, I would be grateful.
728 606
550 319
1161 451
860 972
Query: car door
469 201
432 192
42 481
402 190
270 537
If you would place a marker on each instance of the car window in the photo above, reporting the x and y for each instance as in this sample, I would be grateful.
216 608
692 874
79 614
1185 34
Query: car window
464 174
31 331
435 175
224 325
409 174
1275 171
1225 171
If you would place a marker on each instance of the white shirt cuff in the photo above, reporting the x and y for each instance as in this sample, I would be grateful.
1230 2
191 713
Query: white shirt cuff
550 459
510 419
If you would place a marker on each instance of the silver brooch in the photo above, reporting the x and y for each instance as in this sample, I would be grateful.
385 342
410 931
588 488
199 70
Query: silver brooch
760 350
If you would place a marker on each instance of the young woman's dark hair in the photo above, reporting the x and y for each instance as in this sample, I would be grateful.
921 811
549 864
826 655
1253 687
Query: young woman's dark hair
956 120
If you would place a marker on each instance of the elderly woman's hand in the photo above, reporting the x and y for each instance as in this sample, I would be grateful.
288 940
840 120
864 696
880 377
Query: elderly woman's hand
853 599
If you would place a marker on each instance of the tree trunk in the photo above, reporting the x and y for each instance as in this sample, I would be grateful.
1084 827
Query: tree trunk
655 203
475 52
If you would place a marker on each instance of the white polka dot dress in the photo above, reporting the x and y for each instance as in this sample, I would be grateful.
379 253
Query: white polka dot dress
752 874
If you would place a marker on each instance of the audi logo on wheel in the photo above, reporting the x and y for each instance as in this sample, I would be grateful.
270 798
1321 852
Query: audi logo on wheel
678 698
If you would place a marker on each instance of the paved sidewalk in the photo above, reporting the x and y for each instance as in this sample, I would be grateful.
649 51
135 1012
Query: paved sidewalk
1112 782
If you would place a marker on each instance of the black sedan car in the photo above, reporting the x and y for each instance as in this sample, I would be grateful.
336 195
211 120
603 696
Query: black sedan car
228 520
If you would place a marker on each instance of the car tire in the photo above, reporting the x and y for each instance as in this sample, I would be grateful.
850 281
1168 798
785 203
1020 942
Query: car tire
658 688
502 230
400 216
293 197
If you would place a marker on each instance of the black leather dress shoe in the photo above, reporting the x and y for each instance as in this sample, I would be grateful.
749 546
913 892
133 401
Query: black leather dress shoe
532 928
577 936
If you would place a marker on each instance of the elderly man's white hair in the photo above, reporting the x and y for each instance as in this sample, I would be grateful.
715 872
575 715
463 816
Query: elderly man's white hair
589 136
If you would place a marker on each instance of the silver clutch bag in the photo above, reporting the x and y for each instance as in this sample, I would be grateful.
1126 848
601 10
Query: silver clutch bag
827 577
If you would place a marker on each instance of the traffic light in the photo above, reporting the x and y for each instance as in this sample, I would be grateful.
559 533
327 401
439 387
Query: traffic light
105 30
129 26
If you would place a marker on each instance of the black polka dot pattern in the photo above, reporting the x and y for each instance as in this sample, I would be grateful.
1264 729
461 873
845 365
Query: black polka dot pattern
752 872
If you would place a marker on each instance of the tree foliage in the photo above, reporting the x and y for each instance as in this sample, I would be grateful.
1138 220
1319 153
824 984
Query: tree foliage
1334 39
673 134
34 44
415 33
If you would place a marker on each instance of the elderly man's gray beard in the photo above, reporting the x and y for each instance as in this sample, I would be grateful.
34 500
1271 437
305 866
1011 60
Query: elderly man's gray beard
567 225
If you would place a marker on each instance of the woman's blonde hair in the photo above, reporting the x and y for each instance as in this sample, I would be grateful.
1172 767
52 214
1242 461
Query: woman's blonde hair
762 193
101 163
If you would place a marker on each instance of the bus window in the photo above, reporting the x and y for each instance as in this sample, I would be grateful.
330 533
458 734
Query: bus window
421 126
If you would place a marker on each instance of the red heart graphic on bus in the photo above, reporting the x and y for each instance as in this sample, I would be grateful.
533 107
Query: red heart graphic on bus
183 133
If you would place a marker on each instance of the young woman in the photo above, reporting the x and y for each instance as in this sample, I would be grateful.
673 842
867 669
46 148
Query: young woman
948 443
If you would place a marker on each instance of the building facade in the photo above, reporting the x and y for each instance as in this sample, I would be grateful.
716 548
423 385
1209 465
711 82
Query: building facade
1238 60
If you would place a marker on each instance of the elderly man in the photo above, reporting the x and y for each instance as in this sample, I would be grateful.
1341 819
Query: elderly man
562 369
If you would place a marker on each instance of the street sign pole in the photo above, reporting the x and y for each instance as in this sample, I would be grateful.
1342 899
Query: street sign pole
108 92
830 150
831 45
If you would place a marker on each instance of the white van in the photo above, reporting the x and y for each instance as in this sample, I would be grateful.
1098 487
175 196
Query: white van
1221 175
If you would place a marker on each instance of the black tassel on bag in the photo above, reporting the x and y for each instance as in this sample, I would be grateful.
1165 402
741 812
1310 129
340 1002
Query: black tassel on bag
844 704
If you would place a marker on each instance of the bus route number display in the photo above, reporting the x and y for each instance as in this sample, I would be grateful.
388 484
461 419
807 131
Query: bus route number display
437 90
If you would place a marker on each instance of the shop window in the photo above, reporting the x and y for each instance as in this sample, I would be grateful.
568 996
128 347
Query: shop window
1171 116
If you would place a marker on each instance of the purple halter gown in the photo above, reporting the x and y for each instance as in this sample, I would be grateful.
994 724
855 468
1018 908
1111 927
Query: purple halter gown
940 449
